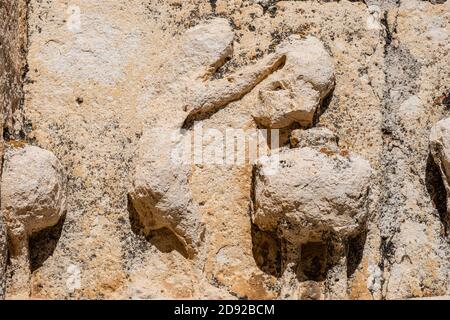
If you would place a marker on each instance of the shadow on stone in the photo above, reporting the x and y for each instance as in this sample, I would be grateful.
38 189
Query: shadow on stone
266 251
324 105
436 190
163 239
355 252
43 243
313 262
284 135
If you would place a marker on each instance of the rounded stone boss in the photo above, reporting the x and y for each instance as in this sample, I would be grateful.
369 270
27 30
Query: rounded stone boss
32 199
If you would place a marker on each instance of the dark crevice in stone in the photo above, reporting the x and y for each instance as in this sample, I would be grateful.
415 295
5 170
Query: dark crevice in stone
314 261
323 107
436 190
268 6
266 251
446 100
355 252
388 32
213 4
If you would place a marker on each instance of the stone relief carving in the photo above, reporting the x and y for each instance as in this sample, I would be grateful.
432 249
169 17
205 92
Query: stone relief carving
160 193
319 194
293 93
33 198
85 82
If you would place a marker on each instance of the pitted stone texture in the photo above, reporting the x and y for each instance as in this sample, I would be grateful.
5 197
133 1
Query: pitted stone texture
161 195
411 224
206 46
312 193
440 149
13 35
3 257
295 91
33 190
314 137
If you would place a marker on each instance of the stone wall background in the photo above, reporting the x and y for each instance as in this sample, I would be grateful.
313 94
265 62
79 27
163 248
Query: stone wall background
89 85
13 48
13 68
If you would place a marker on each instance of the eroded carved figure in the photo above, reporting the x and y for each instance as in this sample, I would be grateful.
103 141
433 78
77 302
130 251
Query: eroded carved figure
318 194
317 190
33 198
160 190
294 93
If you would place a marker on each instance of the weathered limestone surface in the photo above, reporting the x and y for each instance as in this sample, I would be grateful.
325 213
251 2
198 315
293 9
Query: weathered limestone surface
314 137
103 74
161 195
313 191
3 257
412 218
13 39
13 36
294 93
